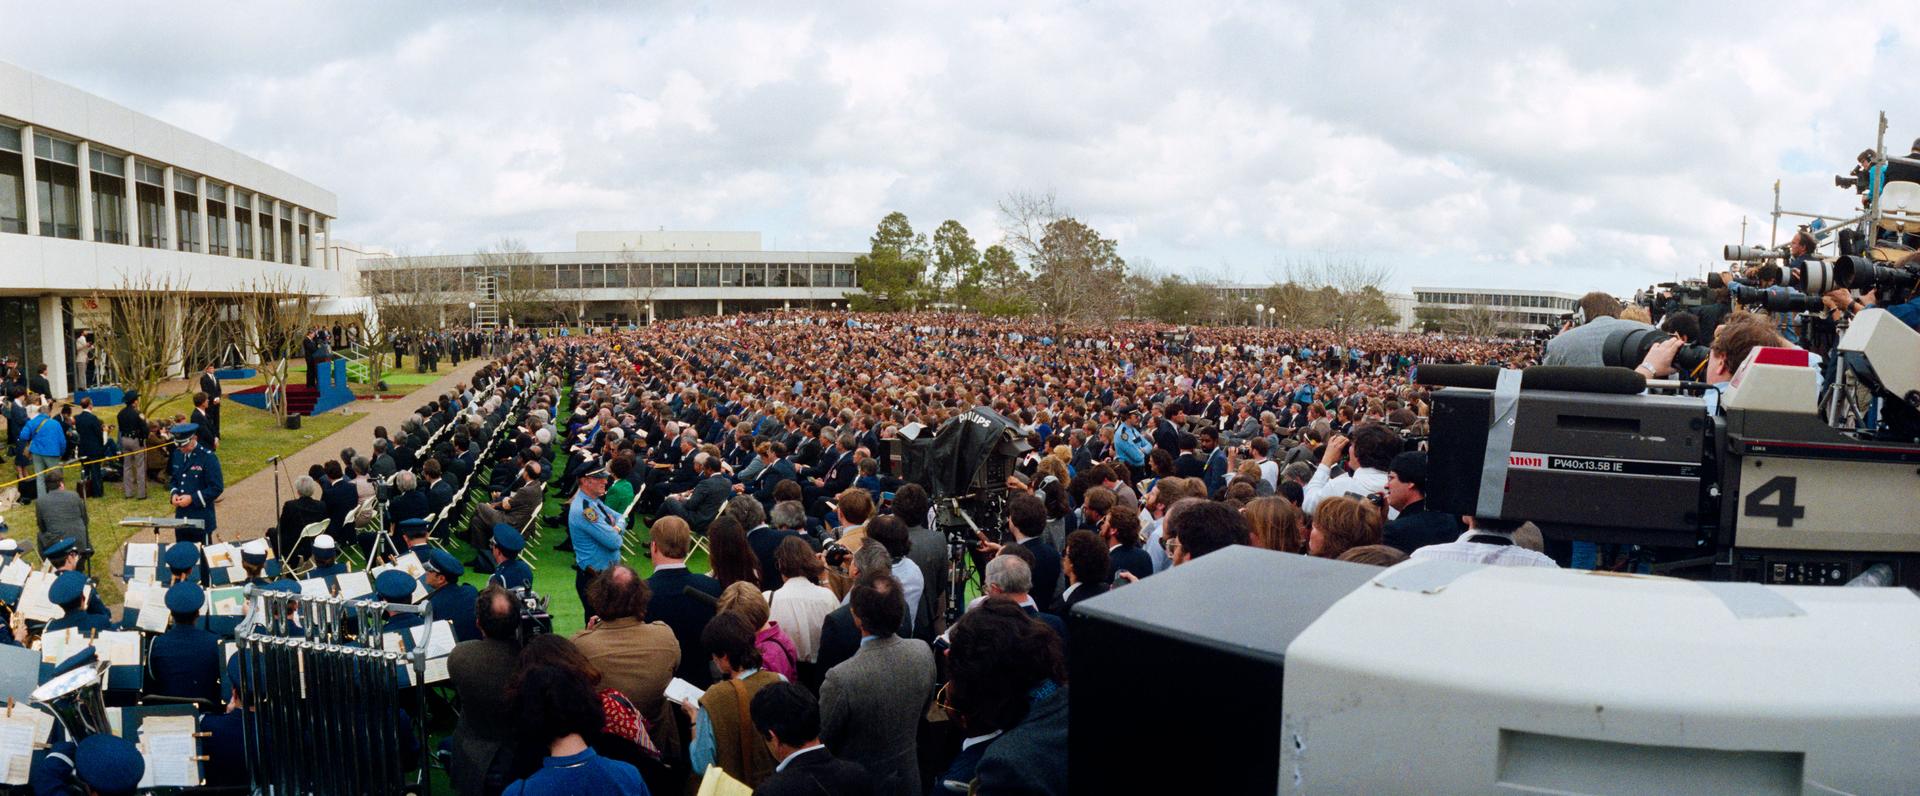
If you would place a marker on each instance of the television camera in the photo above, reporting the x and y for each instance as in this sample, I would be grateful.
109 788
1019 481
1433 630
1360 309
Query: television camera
964 467
1768 489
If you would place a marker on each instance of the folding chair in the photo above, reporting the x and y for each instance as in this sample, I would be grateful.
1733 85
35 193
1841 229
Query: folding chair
307 533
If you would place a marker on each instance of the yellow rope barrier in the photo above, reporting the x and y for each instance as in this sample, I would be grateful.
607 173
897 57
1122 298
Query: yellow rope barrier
66 465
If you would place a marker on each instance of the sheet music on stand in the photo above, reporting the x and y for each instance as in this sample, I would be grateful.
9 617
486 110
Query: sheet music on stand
419 588
171 751
34 603
354 585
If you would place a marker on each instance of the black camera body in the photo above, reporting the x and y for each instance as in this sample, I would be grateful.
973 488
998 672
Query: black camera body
534 618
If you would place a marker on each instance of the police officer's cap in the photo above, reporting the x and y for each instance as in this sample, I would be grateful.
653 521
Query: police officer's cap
8 546
184 429
508 539
324 548
597 472
183 556
254 552
443 562
68 588
59 548
109 764
185 598
394 586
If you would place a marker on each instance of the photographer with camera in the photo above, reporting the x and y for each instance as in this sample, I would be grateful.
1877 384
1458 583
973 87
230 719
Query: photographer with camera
1581 344
1737 338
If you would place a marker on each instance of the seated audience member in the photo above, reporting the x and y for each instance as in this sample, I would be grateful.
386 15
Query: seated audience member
556 707
788 717
777 653
1275 524
1379 555
1008 675
718 737
1417 526
801 604
1121 531
636 657
1486 542
1343 523
1086 567
1197 526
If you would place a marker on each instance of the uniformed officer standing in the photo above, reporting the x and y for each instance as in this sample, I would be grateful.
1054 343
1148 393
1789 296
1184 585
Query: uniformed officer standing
69 591
102 764
195 480
326 562
185 660
452 600
590 526
508 570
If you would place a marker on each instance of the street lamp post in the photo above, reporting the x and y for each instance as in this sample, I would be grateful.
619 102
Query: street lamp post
1259 315
473 314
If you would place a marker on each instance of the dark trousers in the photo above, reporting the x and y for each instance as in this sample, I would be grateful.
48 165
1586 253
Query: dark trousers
581 577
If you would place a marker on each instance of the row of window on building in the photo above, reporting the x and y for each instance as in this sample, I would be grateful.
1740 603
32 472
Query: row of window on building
1497 300
574 276
262 228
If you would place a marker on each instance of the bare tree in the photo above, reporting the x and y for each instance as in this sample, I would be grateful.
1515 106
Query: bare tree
276 314
520 280
406 301
1339 292
153 319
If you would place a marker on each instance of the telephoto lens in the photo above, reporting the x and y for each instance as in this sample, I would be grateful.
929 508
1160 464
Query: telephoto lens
1627 348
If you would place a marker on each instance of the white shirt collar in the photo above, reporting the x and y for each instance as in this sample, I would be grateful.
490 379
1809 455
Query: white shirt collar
681 565
798 752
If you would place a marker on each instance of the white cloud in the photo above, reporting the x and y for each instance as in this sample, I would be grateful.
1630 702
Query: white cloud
1546 145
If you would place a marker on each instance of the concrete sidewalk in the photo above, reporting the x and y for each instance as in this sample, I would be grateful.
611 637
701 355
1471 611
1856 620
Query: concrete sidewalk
247 509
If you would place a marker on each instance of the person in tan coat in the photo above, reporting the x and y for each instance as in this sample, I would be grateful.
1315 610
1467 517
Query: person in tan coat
636 657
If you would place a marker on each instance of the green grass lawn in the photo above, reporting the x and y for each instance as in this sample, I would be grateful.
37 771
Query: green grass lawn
399 382
248 436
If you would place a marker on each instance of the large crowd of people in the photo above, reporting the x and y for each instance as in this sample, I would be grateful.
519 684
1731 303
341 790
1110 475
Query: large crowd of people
817 631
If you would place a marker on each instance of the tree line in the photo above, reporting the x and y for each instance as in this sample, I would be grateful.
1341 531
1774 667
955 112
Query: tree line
1050 264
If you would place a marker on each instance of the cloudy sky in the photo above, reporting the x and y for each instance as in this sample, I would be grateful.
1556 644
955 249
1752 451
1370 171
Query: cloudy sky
1574 146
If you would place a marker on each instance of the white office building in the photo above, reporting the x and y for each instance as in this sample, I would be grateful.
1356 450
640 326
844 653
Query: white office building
94 195
1505 310
630 277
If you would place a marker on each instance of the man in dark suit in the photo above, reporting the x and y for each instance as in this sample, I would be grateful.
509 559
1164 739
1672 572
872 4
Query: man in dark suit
839 635
704 503
871 704
476 670
199 419
341 496
763 538
439 490
777 469
1417 526
185 660
38 383
92 444
1027 518
1166 433
789 719
686 614
210 384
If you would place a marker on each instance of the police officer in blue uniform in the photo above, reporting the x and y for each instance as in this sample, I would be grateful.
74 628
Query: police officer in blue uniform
590 526
326 562
69 591
415 532
102 764
395 586
193 475
185 660
509 571
452 600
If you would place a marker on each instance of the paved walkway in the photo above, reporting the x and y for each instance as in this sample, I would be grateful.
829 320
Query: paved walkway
247 508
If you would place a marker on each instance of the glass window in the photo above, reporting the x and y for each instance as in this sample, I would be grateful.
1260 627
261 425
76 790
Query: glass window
617 274
306 246
593 275
843 275
265 217
109 208
569 276
684 275
242 227
777 274
755 275
151 209
13 192
186 183
217 224
58 185
822 276
56 150
286 239
107 163
9 139
186 212
730 275
709 274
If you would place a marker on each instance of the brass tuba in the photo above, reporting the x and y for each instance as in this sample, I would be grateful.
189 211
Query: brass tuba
78 700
